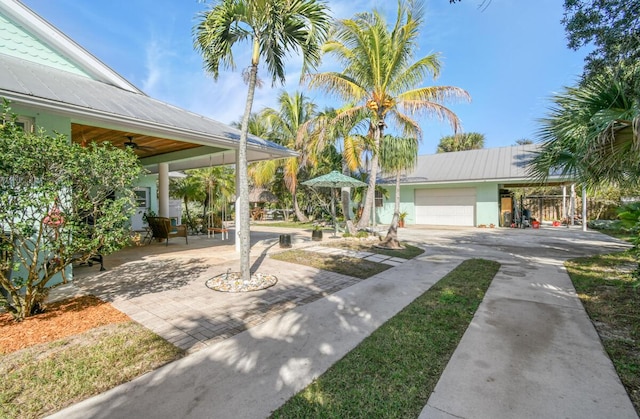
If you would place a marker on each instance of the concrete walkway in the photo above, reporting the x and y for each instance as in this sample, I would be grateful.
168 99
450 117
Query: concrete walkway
530 351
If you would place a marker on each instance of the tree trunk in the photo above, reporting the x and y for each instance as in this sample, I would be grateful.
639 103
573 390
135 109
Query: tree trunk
391 240
371 189
345 195
296 207
186 208
242 212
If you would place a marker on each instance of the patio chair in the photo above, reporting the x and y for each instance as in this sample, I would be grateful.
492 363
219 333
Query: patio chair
161 228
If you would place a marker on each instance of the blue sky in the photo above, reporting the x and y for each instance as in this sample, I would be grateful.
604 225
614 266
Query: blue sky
511 57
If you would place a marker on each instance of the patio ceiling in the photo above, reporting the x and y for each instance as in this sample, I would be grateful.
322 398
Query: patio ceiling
148 146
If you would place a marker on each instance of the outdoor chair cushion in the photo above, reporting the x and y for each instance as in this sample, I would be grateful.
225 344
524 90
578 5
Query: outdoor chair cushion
161 228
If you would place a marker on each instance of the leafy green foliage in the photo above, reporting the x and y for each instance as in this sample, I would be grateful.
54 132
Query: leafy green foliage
381 78
588 134
629 216
275 29
461 142
612 27
59 203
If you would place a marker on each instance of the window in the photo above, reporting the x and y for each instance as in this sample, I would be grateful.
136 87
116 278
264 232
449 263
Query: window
142 197
379 199
25 123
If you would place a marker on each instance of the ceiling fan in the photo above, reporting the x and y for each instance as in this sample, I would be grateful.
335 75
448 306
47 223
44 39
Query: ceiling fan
135 146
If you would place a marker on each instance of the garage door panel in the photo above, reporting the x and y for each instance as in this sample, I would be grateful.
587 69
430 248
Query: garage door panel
445 206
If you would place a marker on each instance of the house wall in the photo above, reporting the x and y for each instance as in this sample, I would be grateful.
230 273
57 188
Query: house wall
51 124
384 214
487 202
18 42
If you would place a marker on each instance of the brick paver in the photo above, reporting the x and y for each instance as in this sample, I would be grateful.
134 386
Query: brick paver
164 288
166 292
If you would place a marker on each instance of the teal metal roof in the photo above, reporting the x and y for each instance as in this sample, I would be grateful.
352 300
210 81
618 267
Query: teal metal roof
508 164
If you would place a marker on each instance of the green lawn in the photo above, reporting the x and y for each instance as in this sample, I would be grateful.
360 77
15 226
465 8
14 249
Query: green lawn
611 297
393 371
346 265
45 378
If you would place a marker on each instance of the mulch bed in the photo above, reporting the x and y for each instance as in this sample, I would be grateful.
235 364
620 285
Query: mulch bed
61 319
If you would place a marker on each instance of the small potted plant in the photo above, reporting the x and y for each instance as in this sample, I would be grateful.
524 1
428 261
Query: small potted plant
401 218
316 234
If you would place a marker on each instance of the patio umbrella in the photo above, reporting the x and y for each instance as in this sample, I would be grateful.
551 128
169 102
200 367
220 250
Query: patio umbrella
333 180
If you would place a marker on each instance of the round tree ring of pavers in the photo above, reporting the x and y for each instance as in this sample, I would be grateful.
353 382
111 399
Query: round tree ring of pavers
232 282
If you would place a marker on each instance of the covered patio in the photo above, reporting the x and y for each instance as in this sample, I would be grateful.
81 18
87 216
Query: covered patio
163 287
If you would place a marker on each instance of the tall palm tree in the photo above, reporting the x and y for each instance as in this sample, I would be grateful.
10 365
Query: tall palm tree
396 155
344 136
380 77
461 142
290 125
274 28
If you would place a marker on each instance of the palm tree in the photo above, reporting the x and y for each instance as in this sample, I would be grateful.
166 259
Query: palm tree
290 126
275 28
461 142
325 132
396 155
379 77
590 134
188 189
218 184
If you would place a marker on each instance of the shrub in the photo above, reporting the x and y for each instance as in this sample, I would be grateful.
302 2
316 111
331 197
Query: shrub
60 202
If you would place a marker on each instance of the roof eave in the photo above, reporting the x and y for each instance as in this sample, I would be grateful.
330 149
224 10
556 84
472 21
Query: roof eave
128 123
65 45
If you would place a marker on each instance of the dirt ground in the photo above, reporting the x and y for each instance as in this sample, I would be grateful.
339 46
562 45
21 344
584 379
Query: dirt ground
61 319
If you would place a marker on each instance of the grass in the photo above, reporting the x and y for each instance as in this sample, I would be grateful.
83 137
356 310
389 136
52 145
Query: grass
286 224
345 265
46 378
393 371
409 252
611 297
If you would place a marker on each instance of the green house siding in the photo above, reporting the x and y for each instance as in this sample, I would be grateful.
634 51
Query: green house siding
51 124
17 42
385 213
487 204
486 208
151 182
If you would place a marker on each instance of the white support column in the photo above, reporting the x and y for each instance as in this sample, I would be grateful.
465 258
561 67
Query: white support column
163 189
565 216
572 204
584 208
237 217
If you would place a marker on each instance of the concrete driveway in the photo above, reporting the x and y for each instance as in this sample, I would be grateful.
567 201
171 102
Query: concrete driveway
530 351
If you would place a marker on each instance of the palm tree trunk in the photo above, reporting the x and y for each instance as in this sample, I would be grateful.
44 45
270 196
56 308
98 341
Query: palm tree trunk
242 212
371 189
391 240
296 207
345 195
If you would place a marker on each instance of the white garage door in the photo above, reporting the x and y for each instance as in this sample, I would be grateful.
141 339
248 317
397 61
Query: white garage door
453 207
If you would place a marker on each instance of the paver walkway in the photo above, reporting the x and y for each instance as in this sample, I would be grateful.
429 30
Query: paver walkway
166 293
529 352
